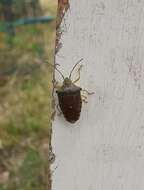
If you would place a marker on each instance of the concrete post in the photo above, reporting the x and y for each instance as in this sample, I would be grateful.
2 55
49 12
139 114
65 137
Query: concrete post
104 150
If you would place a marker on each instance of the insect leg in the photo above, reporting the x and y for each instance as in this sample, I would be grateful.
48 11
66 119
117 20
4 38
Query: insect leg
56 84
79 70
87 92
58 108
84 99
53 115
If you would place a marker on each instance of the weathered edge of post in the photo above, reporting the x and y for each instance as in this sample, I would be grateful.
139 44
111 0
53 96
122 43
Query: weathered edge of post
63 6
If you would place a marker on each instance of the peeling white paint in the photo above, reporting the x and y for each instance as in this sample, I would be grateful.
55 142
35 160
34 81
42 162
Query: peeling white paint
104 150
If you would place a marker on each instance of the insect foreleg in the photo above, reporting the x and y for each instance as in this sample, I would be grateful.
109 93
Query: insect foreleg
78 78
57 85
87 92
84 97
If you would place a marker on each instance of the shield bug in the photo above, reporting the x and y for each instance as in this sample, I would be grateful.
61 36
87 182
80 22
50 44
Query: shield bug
69 96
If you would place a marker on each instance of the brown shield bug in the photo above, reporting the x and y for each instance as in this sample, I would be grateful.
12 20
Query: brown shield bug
69 96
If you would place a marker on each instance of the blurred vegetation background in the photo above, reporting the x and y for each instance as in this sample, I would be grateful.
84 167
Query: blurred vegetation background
26 65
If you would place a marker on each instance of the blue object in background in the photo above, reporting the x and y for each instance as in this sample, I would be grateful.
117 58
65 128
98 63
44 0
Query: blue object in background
9 27
34 20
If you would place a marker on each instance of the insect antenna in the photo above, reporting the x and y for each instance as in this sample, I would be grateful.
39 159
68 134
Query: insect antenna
59 71
74 67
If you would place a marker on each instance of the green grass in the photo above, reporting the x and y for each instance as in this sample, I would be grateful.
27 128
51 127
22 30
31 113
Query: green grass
25 105
31 173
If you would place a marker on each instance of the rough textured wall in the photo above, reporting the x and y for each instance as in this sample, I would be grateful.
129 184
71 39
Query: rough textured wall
104 150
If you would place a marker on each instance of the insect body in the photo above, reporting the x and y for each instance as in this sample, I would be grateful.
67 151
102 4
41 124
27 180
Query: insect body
69 96
70 100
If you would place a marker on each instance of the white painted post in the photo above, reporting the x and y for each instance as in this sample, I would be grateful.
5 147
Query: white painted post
104 150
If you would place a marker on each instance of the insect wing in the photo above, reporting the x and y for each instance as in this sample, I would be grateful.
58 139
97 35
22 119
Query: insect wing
70 104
